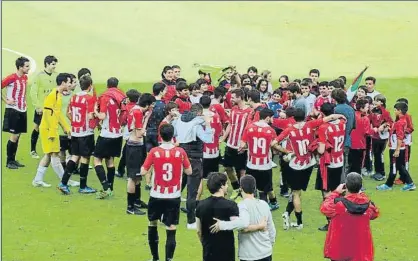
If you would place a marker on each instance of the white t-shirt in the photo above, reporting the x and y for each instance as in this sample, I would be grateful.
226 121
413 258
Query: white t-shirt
195 99
310 101
373 94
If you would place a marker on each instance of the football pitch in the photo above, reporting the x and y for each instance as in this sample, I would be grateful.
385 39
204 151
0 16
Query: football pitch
134 41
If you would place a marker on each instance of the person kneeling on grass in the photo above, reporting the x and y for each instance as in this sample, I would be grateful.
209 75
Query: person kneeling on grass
349 237
253 213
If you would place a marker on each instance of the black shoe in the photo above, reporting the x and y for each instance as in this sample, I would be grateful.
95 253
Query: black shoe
284 194
135 211
11 165
17 163
184 210
119 174
140 204
324 228
378 177
148 187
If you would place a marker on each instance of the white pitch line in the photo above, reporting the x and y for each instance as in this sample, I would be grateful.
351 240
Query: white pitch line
31 60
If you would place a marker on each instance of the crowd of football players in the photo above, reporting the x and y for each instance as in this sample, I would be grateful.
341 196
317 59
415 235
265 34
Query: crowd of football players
302 125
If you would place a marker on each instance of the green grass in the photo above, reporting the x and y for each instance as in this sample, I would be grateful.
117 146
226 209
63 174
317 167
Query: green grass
133 41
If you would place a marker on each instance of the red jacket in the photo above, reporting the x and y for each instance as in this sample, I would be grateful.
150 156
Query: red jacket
349 237
228 101
378 117
183 103
362 130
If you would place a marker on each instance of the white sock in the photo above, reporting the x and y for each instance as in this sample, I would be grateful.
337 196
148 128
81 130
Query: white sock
40 174
57 167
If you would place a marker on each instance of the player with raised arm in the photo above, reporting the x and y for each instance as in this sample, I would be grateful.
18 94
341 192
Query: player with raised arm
83 123
258 137
169 163
41 86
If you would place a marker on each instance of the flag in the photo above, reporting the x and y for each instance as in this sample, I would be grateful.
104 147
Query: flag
351 92
216 72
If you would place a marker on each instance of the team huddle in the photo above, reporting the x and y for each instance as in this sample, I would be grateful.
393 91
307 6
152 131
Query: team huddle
172 138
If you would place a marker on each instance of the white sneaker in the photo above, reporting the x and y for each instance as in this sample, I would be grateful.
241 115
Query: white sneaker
192 226
90 167
40 184
295 225
34 155
273 164
365 173
286 223
183 200
73 183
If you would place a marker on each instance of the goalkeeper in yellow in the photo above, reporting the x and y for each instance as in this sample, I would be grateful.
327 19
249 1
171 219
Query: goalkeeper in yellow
52 119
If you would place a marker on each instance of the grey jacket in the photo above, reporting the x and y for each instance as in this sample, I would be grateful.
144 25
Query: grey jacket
253 245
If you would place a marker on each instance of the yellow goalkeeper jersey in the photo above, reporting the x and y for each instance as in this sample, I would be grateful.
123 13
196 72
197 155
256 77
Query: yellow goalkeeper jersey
53 116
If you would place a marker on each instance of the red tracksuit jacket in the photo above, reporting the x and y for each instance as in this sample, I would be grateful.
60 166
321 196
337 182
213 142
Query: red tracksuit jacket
349 237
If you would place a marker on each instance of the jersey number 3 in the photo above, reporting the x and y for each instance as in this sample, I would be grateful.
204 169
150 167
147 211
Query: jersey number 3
168 168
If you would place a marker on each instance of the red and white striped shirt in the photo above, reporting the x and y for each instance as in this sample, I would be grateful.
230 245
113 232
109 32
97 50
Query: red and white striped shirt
211 150
300 139
259 136
135 118
111 127
79 108
16 90
169 162
238 120
334 133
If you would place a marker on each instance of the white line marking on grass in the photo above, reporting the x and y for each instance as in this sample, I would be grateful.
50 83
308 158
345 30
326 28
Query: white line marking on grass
31 60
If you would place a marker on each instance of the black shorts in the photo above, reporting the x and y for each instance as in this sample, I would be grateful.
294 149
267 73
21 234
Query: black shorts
234 159
210 165
334 179
135 157
15 121
263 179
82 146
299 179
108 147
166 208
37 118
151 141
65 144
